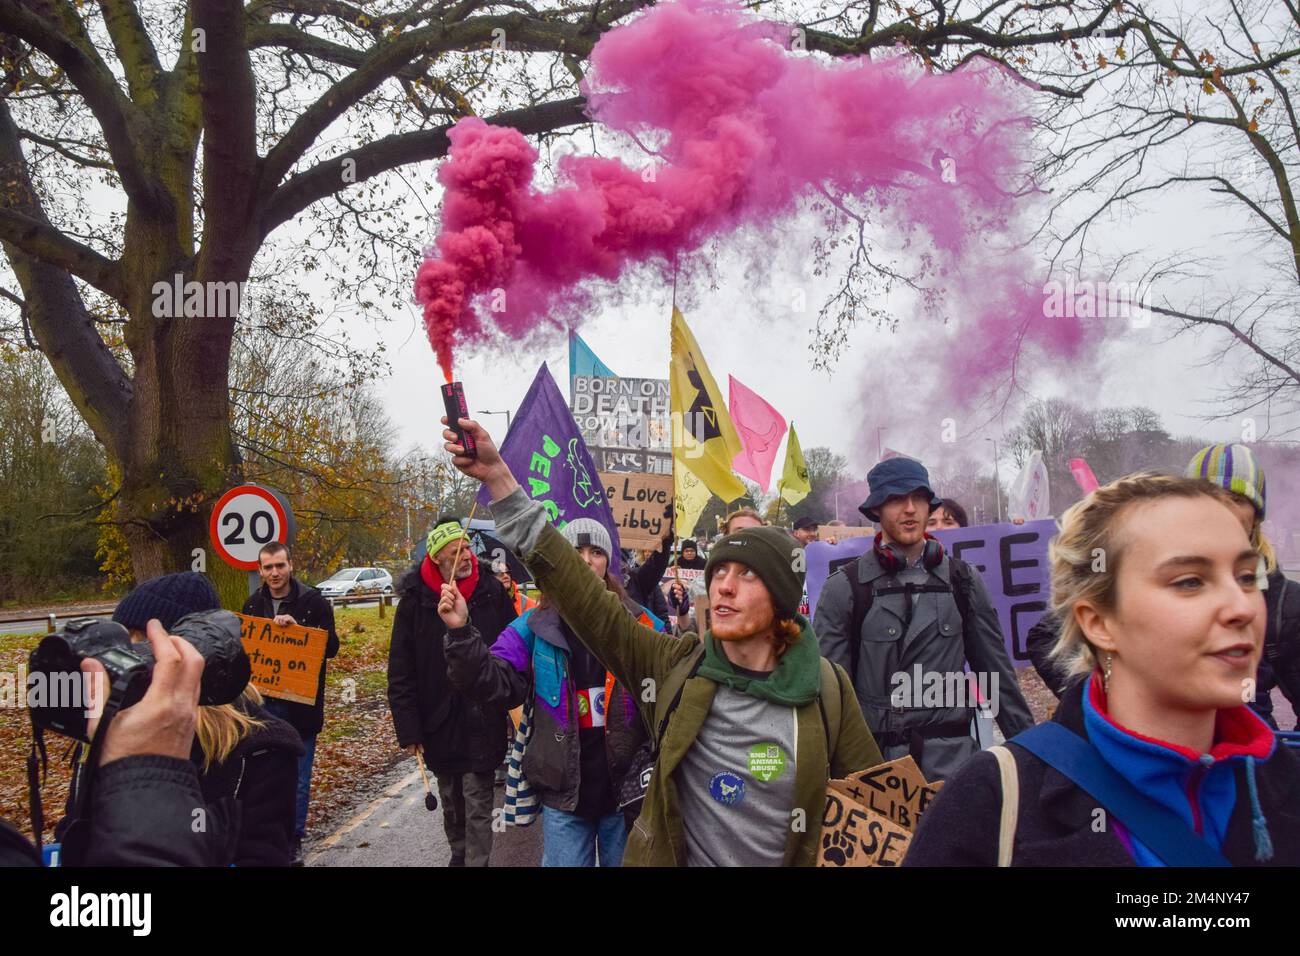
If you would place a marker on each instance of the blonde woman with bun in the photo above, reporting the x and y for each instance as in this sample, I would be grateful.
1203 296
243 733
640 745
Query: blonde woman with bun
1155 583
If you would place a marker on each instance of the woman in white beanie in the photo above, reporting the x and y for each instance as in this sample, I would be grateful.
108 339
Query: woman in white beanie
588 741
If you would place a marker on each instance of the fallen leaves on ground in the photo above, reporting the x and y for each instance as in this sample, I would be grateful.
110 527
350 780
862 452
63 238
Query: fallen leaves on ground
356 744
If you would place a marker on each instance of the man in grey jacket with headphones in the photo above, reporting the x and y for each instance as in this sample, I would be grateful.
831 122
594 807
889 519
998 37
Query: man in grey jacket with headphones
904 619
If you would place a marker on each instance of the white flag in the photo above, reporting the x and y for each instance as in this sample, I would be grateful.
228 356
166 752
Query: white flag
1028 497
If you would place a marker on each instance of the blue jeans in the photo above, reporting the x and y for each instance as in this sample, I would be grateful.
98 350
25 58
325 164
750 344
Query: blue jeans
304 771
571 840
304 785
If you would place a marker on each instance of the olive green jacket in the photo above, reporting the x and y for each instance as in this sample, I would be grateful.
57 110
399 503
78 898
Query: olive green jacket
642 660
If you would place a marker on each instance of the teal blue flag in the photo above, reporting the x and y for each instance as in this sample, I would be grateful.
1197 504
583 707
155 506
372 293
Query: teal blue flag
583 361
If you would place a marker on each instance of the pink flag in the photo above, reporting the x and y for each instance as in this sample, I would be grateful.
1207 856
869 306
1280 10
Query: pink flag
1083 475
760 427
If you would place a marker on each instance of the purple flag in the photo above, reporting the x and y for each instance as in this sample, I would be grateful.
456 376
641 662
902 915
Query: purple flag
548 458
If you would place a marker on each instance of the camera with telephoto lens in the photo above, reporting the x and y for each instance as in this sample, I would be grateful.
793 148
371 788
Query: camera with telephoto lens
55 665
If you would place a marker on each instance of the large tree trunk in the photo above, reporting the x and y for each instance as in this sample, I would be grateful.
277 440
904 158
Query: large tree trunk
179 458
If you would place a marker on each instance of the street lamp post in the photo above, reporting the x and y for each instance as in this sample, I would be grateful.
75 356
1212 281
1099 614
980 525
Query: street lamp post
997 479
408 468
484 411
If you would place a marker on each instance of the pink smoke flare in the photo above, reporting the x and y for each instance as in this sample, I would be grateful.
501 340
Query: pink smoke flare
744 131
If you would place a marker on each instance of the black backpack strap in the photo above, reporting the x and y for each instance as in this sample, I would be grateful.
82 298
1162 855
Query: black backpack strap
1273 627
862 598
962 583
679 675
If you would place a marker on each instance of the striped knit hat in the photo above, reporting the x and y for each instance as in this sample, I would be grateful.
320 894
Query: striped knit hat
1233 467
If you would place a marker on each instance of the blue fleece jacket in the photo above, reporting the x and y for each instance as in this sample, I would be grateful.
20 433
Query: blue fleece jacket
1200 788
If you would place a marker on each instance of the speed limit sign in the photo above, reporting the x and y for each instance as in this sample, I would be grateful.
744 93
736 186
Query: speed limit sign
244 519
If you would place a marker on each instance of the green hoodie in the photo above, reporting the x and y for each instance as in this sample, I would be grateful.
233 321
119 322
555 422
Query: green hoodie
649 662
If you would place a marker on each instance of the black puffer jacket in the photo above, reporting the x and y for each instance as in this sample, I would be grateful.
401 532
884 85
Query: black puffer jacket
142 814
458 735
1039 643
1057 819
258 785
642 583
309 608
1280 665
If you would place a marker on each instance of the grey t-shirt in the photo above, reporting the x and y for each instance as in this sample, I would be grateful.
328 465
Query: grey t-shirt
275 605
736 782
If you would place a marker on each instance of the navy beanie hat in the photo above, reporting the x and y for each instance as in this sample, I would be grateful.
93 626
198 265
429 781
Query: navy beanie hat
773 555
168 598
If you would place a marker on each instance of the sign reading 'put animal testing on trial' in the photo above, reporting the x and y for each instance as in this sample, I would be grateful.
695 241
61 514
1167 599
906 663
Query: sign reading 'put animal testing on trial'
286 659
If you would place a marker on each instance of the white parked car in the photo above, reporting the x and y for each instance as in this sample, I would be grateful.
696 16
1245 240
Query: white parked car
351 582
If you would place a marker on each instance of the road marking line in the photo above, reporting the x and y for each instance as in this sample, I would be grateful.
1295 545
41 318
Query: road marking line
360 818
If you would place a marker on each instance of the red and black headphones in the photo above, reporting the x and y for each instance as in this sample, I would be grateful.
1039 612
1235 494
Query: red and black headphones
893 564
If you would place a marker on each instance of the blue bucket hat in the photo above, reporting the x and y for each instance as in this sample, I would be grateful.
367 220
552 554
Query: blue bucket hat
895 476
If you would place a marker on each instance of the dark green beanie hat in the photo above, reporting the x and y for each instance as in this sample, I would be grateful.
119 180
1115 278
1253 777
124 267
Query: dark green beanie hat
773 554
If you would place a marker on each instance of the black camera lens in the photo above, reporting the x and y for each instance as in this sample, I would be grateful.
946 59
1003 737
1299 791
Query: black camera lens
58 691
57 688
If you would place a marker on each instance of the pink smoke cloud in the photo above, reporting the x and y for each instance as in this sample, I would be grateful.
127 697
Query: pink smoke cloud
744 131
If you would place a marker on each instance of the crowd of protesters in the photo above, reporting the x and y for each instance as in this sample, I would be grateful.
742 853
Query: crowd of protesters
690 710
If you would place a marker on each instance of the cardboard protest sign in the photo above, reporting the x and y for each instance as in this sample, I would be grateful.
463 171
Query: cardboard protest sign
871 815
286 659
693 579
640 505
1010 558
842 531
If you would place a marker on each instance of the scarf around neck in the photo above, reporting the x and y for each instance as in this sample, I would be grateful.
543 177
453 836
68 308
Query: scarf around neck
432 577
795 681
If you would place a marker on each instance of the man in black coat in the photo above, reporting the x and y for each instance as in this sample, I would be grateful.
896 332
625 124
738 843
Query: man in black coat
462 743
286 600
642 581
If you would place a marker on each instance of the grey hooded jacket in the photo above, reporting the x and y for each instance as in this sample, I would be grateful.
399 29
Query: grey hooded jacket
911 710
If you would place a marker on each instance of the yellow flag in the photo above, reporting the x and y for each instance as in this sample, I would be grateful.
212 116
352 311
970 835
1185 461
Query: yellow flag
704 439
689 499
794 485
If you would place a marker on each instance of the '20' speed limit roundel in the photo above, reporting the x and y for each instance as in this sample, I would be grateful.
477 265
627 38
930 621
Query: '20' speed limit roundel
246 518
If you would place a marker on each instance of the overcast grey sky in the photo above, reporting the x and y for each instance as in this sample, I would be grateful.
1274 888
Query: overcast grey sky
772 357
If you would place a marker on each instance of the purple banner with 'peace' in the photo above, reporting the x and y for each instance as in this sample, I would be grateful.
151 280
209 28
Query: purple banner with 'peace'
550 461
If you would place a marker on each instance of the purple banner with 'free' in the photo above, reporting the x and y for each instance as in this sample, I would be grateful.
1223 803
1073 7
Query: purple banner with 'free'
1011 560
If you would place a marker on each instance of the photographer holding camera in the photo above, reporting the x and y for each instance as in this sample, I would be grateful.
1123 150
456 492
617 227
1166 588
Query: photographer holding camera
147 790
246 757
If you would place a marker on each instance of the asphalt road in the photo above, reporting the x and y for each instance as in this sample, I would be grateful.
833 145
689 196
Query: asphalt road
394 829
